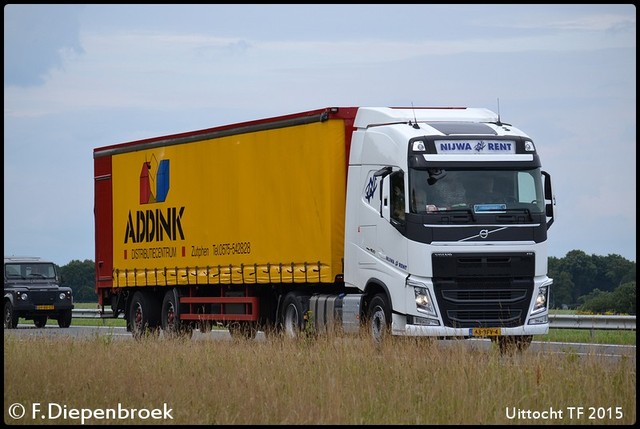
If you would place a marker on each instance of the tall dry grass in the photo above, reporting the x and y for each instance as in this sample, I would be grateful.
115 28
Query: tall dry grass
328 380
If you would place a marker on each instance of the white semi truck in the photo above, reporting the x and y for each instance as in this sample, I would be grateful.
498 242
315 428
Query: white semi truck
422 221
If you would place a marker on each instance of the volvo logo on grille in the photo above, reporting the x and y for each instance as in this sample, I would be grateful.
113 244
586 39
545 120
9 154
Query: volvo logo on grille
484 233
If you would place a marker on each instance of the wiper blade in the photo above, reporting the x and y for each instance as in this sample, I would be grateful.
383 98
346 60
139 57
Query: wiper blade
520 210
456 210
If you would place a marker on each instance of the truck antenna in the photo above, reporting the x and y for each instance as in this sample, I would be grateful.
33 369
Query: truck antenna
415 120
498 123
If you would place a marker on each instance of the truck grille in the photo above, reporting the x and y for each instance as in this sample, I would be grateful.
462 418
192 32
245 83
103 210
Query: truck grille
475 291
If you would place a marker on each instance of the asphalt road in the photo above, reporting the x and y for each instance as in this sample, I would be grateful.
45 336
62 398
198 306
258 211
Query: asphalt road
609 351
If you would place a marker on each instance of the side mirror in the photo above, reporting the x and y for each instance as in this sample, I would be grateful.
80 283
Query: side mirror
548 195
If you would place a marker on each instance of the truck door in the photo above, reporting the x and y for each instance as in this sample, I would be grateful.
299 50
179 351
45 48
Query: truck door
391 240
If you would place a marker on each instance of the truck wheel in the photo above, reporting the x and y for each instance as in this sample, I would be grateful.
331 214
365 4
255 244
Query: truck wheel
292 316
10 316
40 321
379 318
64 318
144 313
170 316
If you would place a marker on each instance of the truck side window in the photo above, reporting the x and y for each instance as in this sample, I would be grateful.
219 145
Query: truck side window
397 196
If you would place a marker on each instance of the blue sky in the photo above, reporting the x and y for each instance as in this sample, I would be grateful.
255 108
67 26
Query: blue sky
77 77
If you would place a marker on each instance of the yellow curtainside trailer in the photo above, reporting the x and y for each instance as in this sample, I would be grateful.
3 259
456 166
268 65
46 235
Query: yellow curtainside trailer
222 222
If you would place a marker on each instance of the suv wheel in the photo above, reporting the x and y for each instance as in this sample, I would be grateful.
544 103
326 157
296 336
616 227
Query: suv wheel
64 318
10 316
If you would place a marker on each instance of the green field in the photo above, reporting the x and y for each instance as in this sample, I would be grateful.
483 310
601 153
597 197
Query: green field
330 380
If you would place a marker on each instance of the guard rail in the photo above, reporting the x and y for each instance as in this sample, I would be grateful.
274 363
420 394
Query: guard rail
583 321
558 321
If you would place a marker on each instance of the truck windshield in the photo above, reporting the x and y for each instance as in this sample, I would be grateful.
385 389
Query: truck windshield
30 270
434 191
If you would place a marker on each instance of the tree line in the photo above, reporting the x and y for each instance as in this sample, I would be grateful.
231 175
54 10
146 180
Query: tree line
591 283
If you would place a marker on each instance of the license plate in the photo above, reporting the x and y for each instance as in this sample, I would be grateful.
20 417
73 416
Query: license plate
485 332
44 307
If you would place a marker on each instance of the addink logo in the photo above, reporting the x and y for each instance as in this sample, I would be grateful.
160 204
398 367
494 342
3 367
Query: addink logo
154 224
154 187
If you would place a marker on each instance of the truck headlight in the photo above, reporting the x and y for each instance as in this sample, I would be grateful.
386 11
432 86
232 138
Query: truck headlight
424 303
418 146
541 300
24 296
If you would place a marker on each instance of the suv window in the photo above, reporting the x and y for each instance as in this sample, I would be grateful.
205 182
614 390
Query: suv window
26 270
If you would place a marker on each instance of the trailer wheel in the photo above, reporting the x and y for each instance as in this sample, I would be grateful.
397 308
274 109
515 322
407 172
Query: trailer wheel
292 316
40 321
144 313
64 318
10 316
170 316
379 318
